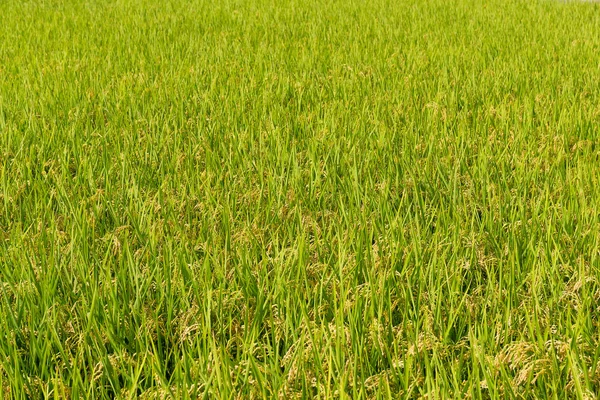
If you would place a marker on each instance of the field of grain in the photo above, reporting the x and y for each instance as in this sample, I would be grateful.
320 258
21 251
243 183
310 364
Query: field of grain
336 199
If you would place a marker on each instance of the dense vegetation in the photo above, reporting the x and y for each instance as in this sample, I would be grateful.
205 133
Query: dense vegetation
299 198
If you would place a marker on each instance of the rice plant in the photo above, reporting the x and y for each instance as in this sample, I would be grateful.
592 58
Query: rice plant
331 199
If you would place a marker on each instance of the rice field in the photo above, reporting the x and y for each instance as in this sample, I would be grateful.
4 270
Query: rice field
336 199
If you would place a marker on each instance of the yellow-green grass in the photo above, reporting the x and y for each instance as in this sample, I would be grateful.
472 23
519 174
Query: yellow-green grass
299 198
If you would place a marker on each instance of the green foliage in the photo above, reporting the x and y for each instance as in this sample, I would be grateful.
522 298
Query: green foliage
299 198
